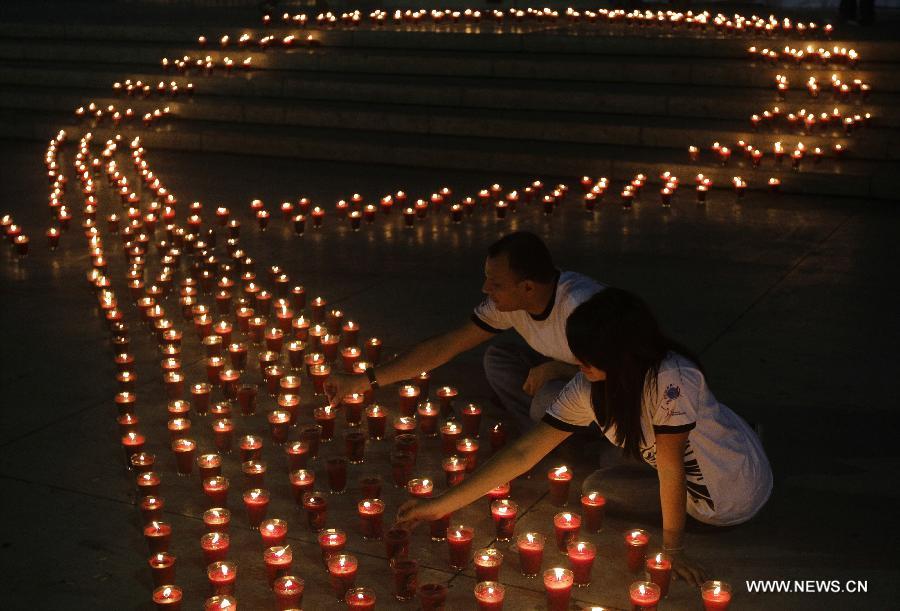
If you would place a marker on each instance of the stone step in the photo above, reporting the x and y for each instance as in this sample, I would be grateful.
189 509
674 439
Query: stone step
835 178
593 128
673 101
660 70
558 39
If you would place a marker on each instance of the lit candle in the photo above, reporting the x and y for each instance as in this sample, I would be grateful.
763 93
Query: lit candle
489 595
215 546
376 421
360 599
566 525
184 450
277 559
450 434
273 531
331 541
427 415
468 451
408 397
420 488
559 480
581 560
301 482
162 567
354 446
504 512
636 544
325 417
336 467
459 542
216 490
716 595
558 585
256 502
659 567
288 591
217 519
593 505
396 543
167 598
454 470
342 573
644 596
158 536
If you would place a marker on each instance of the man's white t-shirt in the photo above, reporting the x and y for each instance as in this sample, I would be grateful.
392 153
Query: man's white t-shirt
544 332
727 472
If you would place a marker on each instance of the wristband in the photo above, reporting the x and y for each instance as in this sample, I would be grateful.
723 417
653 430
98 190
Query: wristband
370 373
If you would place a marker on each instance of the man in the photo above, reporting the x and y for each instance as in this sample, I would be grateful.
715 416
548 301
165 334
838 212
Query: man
524 292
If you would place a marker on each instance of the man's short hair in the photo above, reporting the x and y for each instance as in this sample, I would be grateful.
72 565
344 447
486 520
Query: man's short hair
528 256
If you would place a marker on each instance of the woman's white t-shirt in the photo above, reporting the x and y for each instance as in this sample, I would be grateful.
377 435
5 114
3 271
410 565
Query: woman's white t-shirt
727 472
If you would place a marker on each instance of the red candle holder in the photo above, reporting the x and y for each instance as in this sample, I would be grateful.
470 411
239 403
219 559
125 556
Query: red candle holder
371 518
312 435
566 526
277 559
302 481
256 501
254 473
406 578
446 395
560 479
644 596
217 519
250 447
148 483
279 425
459 545
408 396
487 564
215 546
636 542
581 561
593 505
288 591
342 570
273 531
373 350
298 454
162 567
151 508
336 467
158 535
420 487
659 568
370 487
432 596
489 595
133 443
331 541
471 420
167 598
504 513
184 450
325 418
200 394
467 449
451 432
558 585
360 599
216 490
142 462
716 595
396 543
316 506
376 421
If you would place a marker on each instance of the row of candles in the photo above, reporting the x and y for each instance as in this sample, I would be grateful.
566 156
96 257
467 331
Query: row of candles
205 65
840 90
818 55
162 88
809 120
755 155
116 116
735 23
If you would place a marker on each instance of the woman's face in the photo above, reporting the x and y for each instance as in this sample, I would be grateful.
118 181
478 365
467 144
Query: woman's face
592 373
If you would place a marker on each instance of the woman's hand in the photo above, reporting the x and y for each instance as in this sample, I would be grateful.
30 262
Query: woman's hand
687 569
418 510
339 386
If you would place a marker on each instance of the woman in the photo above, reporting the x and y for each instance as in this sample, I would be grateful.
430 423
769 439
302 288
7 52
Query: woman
649 397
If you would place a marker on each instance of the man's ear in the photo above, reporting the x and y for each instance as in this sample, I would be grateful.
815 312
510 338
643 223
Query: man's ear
528 285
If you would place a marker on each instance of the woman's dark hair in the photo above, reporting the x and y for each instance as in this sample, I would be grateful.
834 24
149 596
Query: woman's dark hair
615 331
527 255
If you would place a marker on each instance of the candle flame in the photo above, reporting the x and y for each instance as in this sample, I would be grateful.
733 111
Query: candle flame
635 534
560 470
642 589
167 592
559 573
580 547
659 558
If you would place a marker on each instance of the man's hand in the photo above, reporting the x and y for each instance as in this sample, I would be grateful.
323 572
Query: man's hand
340 385
543 373
685 568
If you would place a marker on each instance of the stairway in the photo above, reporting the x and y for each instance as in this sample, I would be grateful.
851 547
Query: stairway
539 99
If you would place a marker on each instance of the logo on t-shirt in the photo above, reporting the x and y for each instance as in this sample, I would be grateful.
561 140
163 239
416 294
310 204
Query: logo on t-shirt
671 393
